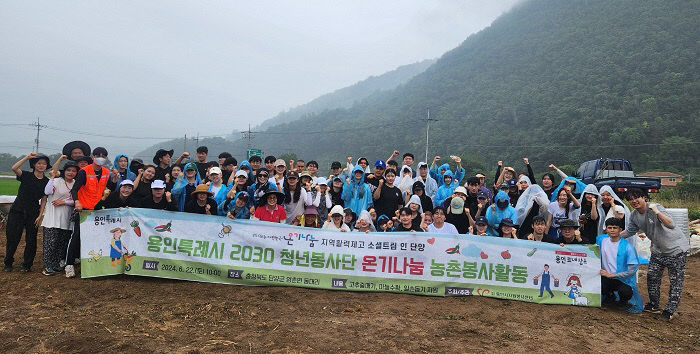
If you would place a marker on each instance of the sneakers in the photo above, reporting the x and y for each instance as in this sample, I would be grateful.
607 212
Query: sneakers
70 271
667 316
649 307
7 269
48 271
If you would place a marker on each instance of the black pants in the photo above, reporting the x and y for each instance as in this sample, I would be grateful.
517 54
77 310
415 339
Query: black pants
609 285
16 223
73 251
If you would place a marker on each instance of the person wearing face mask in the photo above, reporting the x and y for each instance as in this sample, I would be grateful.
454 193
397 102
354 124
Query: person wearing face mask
499 211
142 184
88 189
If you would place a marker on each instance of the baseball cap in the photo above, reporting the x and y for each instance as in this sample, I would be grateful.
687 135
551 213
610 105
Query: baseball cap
279 162
512 183
481 221
335 164
241 173
503 185
214 170
128 182
457 206
482 195
158 184
506 222
380 164
321 181
480 175
568 223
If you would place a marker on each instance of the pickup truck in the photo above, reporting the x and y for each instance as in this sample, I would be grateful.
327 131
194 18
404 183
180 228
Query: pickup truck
617 173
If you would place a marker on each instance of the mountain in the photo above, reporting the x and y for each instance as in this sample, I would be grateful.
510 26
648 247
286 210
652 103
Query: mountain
347 96
554 80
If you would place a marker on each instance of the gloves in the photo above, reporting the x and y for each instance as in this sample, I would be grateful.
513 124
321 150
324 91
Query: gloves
654 207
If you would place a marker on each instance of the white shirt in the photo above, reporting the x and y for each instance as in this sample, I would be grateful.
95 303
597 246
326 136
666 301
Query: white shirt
608 251
446 228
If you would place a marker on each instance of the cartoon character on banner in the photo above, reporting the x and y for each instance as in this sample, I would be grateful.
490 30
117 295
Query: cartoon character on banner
574 292
116 248
545 277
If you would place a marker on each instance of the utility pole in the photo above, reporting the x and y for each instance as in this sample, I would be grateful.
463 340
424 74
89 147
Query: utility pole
184 148
196 140
36 141
248 135
427 134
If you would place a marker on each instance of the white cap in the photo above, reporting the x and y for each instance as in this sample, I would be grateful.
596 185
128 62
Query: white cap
126 182
241 173
157 184
214 170
321 181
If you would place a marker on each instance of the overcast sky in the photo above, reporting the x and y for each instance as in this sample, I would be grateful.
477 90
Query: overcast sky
166 68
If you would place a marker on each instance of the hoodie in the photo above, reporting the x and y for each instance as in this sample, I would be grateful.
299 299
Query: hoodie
436 173
580 186
357 196
179 191
494 214
532 202
230 205
127 174
250 180
590 228
445 190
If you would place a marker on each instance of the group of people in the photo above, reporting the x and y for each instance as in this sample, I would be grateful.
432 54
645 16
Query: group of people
389 197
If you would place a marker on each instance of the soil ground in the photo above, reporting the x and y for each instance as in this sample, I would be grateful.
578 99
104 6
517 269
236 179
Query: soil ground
134 314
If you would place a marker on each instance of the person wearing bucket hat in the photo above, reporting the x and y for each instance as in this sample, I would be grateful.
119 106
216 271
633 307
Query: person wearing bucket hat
335 221
308 219
568 233
185 185
136 165
91 185
507 229
76 149
56 215
25 212
202 201
159 198
271 210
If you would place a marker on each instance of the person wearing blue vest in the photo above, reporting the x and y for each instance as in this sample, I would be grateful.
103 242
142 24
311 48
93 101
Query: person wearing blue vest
620 263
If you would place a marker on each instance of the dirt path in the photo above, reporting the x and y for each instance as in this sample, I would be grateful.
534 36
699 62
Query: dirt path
133 314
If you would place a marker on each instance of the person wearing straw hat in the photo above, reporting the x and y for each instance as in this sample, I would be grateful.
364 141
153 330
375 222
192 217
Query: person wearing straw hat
116 249
202 201
25 212
271 210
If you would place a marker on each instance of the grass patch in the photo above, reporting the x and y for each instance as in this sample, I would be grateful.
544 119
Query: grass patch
8 186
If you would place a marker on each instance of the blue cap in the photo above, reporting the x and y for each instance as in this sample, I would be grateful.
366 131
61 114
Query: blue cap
380 163
512 183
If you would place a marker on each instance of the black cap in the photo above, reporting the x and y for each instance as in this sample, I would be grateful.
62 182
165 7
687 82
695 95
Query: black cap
512 183
568 223
335 164
99 150
482 195
481 220
160 153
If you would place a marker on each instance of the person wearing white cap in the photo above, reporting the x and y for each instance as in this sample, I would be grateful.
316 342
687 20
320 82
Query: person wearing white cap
123 197
217 186
335 222
159 199
279 170
321 199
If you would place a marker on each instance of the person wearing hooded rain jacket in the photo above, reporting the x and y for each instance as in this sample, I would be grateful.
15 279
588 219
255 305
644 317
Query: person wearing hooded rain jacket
217 186
580 186
532 202
356 193
423 176
500 210
121 170
245 165
619 263
236 208
446 189
438 173
590 215
185 185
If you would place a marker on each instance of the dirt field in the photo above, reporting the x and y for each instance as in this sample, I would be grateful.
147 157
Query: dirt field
133 314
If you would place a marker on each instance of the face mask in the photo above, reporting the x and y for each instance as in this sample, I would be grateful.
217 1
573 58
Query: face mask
100 160
502 204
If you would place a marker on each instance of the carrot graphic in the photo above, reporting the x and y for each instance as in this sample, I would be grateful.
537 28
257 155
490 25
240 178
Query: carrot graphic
137 229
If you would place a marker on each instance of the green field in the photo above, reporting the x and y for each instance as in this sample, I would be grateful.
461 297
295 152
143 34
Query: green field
8 186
